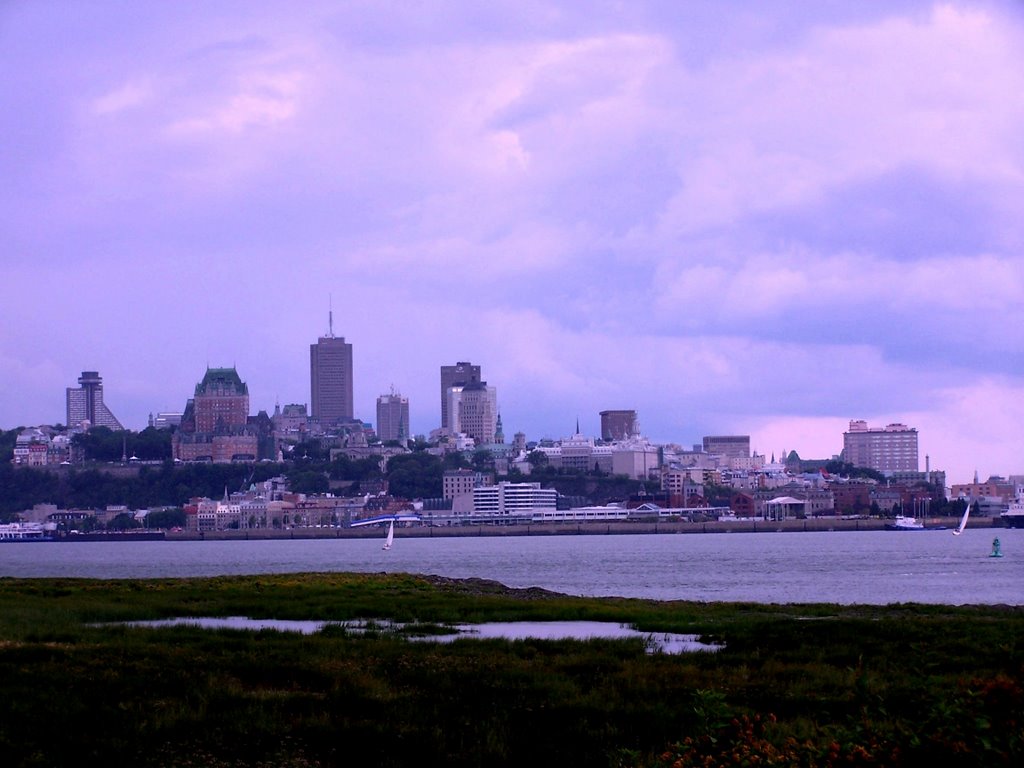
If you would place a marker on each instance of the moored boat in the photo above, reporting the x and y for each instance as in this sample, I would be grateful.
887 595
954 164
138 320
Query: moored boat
905 523
1013 517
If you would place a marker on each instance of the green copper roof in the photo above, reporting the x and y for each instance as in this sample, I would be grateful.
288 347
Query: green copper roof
220 379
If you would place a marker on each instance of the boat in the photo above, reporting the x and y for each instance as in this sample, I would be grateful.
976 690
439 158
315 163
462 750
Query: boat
963 520
1013 517
905 523
20 532
390 520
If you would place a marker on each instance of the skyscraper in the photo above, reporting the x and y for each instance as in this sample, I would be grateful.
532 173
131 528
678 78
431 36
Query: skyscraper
473 411
392 417
618 425
330 377
85 403
459 374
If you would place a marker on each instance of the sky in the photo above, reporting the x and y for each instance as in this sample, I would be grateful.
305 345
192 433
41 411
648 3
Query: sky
764 219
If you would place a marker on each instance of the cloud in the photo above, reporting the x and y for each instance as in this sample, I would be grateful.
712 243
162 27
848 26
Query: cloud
131 94
764 220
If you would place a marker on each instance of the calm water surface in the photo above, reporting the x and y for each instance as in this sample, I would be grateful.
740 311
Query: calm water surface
875 567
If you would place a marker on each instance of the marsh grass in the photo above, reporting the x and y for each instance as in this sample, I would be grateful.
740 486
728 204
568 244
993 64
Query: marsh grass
807 685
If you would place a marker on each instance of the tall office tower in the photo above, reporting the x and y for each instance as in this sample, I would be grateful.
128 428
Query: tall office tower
85 403
618 425
330 377
392 417
459 374
730 446
891 449
473 410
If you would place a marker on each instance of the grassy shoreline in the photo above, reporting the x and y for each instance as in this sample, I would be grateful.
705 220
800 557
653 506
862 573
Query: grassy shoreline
802 684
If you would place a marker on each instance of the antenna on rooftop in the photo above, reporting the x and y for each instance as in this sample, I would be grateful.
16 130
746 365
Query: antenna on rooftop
330 317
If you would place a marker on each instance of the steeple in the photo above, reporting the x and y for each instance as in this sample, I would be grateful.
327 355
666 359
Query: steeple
499 432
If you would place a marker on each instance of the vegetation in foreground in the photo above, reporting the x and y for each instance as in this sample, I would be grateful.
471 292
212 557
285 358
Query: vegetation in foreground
795 685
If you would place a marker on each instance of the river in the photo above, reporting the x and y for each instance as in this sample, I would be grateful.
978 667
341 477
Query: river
872 567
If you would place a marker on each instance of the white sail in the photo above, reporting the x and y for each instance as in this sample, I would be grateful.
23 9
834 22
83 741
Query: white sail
963 521
391 536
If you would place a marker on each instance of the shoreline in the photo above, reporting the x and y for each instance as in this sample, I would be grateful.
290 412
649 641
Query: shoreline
589 528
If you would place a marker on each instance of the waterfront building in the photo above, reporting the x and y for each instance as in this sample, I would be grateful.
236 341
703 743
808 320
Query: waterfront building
330 377
460 374
890 449
215 424
85 404
512 502
681 486
393 417
995 487
619 425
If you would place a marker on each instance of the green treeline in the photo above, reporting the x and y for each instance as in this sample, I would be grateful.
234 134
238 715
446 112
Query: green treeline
92 488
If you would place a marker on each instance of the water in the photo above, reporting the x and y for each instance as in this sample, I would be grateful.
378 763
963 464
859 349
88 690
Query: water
661 642
873 567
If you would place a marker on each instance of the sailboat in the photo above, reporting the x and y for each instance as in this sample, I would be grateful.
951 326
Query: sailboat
963 520
390 520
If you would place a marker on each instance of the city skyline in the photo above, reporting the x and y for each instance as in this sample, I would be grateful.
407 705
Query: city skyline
766 221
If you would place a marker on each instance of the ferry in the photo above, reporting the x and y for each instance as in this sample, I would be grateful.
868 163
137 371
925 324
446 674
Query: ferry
18 532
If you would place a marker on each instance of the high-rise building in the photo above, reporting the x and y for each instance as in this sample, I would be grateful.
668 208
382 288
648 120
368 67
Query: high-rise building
459 374
330 377
85 403
729 446
890 449
473 410
618 425
392 417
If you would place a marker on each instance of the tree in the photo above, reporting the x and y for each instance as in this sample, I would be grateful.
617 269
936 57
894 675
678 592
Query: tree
455 460
308 482
537 459
166 518
415 476
483 460
123 522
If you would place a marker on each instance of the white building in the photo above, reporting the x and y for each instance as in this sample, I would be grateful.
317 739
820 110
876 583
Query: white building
512 503
638 460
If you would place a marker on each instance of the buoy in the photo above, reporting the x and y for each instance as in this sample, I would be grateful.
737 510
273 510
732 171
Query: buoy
995 548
